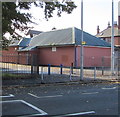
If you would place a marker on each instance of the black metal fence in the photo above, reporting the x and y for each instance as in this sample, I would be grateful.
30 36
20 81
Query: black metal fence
21 65
26 65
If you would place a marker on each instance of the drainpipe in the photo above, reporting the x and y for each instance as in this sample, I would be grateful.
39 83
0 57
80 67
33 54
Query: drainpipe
119 15
75 51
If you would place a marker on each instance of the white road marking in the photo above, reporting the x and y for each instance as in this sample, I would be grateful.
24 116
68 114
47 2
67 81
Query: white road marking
45 96
90 93
109 88
34 107
10 95
51 96
28 104
32 115
82 113
33 95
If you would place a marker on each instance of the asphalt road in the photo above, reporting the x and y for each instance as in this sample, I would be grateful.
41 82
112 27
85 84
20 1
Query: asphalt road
78 99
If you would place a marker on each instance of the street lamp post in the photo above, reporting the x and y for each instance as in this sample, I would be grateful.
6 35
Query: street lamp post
81 49
112 42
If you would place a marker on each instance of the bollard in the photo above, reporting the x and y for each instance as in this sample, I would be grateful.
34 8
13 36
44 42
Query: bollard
102 70
72 68
37 69
42 73
70 73
95 73
31 69
61 68
103 65
49 69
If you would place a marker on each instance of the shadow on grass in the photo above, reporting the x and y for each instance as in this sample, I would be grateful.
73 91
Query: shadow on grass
8 76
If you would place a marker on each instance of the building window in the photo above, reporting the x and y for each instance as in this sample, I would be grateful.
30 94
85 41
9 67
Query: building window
53 49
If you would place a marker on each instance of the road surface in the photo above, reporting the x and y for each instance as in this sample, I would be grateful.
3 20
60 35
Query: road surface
77 99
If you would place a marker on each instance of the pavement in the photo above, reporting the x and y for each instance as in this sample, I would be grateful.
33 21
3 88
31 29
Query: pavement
54 79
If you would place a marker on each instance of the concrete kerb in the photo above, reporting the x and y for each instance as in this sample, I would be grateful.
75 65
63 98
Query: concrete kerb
61 83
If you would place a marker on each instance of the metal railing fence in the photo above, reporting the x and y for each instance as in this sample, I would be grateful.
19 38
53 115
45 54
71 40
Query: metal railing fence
27 65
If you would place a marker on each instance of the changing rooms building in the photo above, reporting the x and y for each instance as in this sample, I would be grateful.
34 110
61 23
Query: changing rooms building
63 47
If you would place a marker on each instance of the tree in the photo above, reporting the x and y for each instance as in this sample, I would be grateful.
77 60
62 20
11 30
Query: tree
13 19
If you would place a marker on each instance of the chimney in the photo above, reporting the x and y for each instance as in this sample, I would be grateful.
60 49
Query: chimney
109 25
119 15
53 28
98 30
115 23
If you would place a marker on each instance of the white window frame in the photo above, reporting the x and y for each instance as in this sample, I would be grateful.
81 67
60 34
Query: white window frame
54 49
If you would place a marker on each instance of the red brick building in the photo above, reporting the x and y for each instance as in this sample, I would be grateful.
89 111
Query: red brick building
63 47
60 47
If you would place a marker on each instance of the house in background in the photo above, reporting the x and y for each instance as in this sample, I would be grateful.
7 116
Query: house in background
63 47
106 34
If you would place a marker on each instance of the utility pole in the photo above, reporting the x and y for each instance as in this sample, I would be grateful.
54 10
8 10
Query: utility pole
112 42
81 49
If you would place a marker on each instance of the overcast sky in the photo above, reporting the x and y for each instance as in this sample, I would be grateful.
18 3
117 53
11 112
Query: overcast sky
96 12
